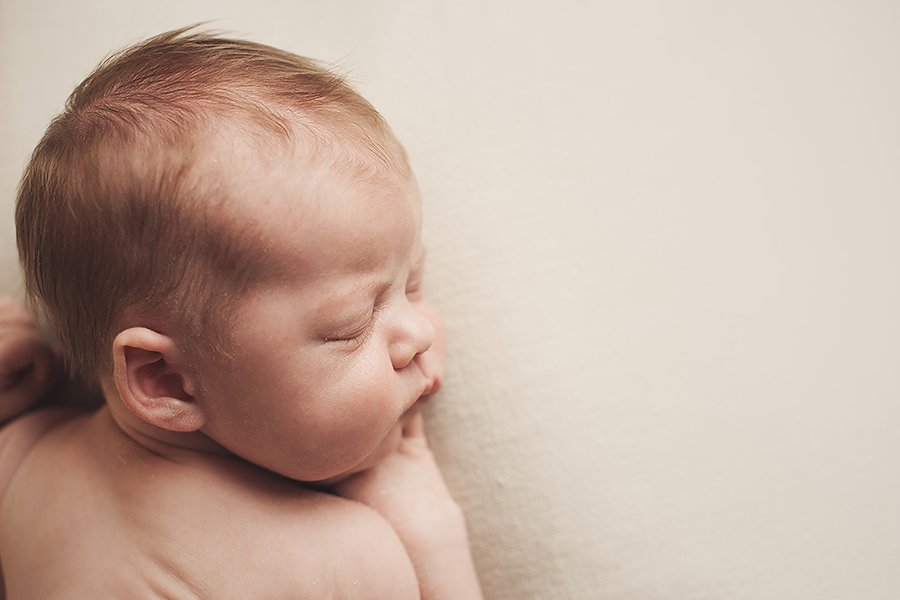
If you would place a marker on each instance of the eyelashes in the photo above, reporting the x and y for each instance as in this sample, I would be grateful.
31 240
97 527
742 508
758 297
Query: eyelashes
356 336
351 343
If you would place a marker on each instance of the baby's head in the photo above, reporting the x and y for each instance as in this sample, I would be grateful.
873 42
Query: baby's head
130 202
236 222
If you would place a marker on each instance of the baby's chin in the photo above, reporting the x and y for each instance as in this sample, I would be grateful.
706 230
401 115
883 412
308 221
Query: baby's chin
385 448
341 477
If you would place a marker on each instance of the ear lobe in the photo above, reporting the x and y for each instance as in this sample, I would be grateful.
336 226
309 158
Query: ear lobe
152 380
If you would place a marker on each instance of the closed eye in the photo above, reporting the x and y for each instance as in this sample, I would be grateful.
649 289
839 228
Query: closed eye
352 341
414 292
351 332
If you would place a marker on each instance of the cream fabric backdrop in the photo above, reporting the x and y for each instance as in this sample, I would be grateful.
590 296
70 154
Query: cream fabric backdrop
664 237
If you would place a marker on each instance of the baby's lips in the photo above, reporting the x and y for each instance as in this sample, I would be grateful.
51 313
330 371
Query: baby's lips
429 391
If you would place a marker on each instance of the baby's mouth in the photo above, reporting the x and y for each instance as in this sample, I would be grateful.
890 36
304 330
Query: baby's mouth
423 399
428 392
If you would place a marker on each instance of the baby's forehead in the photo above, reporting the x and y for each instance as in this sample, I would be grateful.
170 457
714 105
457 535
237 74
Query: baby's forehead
255 177
280 145
256 180
260 188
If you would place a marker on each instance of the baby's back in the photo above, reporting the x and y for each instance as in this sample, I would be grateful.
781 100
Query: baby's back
86 512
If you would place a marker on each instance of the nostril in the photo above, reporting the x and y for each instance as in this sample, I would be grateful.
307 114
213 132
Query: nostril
403 353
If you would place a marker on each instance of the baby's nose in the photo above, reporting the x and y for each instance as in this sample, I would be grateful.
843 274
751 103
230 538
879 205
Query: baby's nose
413 335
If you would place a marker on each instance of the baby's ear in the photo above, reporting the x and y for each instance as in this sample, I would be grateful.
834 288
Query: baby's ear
153 381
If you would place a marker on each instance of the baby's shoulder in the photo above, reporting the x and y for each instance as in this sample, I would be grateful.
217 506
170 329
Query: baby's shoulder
19 436
193 526
364 552
322 545
258 535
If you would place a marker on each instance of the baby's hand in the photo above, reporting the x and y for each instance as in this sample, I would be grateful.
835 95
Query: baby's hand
29 367
407 489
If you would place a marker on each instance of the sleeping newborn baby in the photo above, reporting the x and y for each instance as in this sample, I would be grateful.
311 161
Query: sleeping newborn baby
227 240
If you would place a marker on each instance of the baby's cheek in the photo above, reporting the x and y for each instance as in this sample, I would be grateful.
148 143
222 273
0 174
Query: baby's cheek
372 400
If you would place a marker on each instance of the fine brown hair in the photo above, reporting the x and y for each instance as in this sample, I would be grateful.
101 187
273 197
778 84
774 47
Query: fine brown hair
114 220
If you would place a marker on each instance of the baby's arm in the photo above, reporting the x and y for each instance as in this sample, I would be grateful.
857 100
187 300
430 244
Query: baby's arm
29 367
408 491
